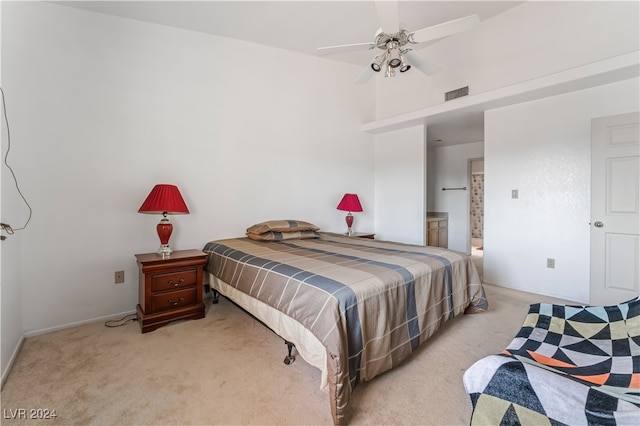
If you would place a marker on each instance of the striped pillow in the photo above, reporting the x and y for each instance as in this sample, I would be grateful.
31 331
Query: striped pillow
280 236
281 226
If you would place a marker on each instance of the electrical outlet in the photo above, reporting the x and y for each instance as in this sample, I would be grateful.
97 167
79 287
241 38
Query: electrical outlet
119 277
514 193
551 263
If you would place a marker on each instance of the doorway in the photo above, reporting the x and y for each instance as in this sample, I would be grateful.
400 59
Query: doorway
615 209
476 212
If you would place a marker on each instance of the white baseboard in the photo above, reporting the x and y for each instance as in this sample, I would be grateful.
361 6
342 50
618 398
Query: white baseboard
88 321
14 355
75 324
541 293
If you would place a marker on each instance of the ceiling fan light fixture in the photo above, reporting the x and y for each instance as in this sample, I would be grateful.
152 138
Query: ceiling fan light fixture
394 58
391 72
404 67
395 45
377 62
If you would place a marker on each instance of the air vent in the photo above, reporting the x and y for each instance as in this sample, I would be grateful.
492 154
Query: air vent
458 93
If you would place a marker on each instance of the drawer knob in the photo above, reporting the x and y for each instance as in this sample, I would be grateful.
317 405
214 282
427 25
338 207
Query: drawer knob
172 302
176 283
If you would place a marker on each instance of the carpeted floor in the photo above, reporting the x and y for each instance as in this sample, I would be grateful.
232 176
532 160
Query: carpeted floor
228 369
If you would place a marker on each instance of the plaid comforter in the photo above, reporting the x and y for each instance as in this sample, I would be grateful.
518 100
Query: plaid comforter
370 303
568 365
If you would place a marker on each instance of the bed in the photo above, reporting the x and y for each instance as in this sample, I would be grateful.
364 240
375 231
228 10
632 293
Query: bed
353 307
568 365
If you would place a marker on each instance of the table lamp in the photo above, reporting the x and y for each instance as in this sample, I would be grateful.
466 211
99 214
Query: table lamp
350 203
164 199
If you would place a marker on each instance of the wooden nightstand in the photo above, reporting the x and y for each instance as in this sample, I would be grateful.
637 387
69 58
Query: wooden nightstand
170 288
363 235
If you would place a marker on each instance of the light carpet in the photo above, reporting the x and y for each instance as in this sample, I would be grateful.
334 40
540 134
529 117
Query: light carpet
228 369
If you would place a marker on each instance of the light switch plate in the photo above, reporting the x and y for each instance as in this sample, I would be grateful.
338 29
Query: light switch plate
514 193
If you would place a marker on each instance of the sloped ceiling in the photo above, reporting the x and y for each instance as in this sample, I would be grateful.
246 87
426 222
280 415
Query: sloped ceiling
303 26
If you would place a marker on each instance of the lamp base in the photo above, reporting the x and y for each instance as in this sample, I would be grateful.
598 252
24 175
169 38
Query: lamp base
164 228
349 220
164 250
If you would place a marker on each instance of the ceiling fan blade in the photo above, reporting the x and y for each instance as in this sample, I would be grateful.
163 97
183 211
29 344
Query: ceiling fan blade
332 50
365 76
446 29
421 65
388 16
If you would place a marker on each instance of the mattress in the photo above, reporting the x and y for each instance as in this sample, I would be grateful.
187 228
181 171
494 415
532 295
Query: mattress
367 304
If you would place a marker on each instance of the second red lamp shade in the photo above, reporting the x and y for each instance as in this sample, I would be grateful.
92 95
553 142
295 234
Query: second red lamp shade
350 203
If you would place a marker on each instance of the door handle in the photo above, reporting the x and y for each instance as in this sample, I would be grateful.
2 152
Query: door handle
598 224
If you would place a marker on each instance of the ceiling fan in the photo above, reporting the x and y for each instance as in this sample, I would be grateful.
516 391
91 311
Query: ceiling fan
395 43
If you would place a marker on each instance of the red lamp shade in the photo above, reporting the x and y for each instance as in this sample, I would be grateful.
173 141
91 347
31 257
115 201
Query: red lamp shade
350 203
164 199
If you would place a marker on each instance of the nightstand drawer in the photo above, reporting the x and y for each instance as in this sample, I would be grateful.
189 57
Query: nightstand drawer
175 299
174 280
170 288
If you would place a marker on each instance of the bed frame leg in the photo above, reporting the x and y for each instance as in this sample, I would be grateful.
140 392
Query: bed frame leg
216 297
289 358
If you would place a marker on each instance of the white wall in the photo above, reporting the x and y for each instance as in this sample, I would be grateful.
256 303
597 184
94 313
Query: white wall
448 168
400 185
543 149
103 108
535 39
12 211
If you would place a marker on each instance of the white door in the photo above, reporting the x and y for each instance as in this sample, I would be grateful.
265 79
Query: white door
615 208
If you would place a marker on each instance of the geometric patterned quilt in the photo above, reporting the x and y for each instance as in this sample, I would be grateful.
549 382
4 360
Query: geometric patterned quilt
573 365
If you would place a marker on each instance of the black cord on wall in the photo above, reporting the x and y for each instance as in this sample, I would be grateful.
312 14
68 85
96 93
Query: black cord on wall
4 226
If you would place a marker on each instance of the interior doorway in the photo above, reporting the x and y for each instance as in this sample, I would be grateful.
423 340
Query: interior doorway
476 211
615 209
